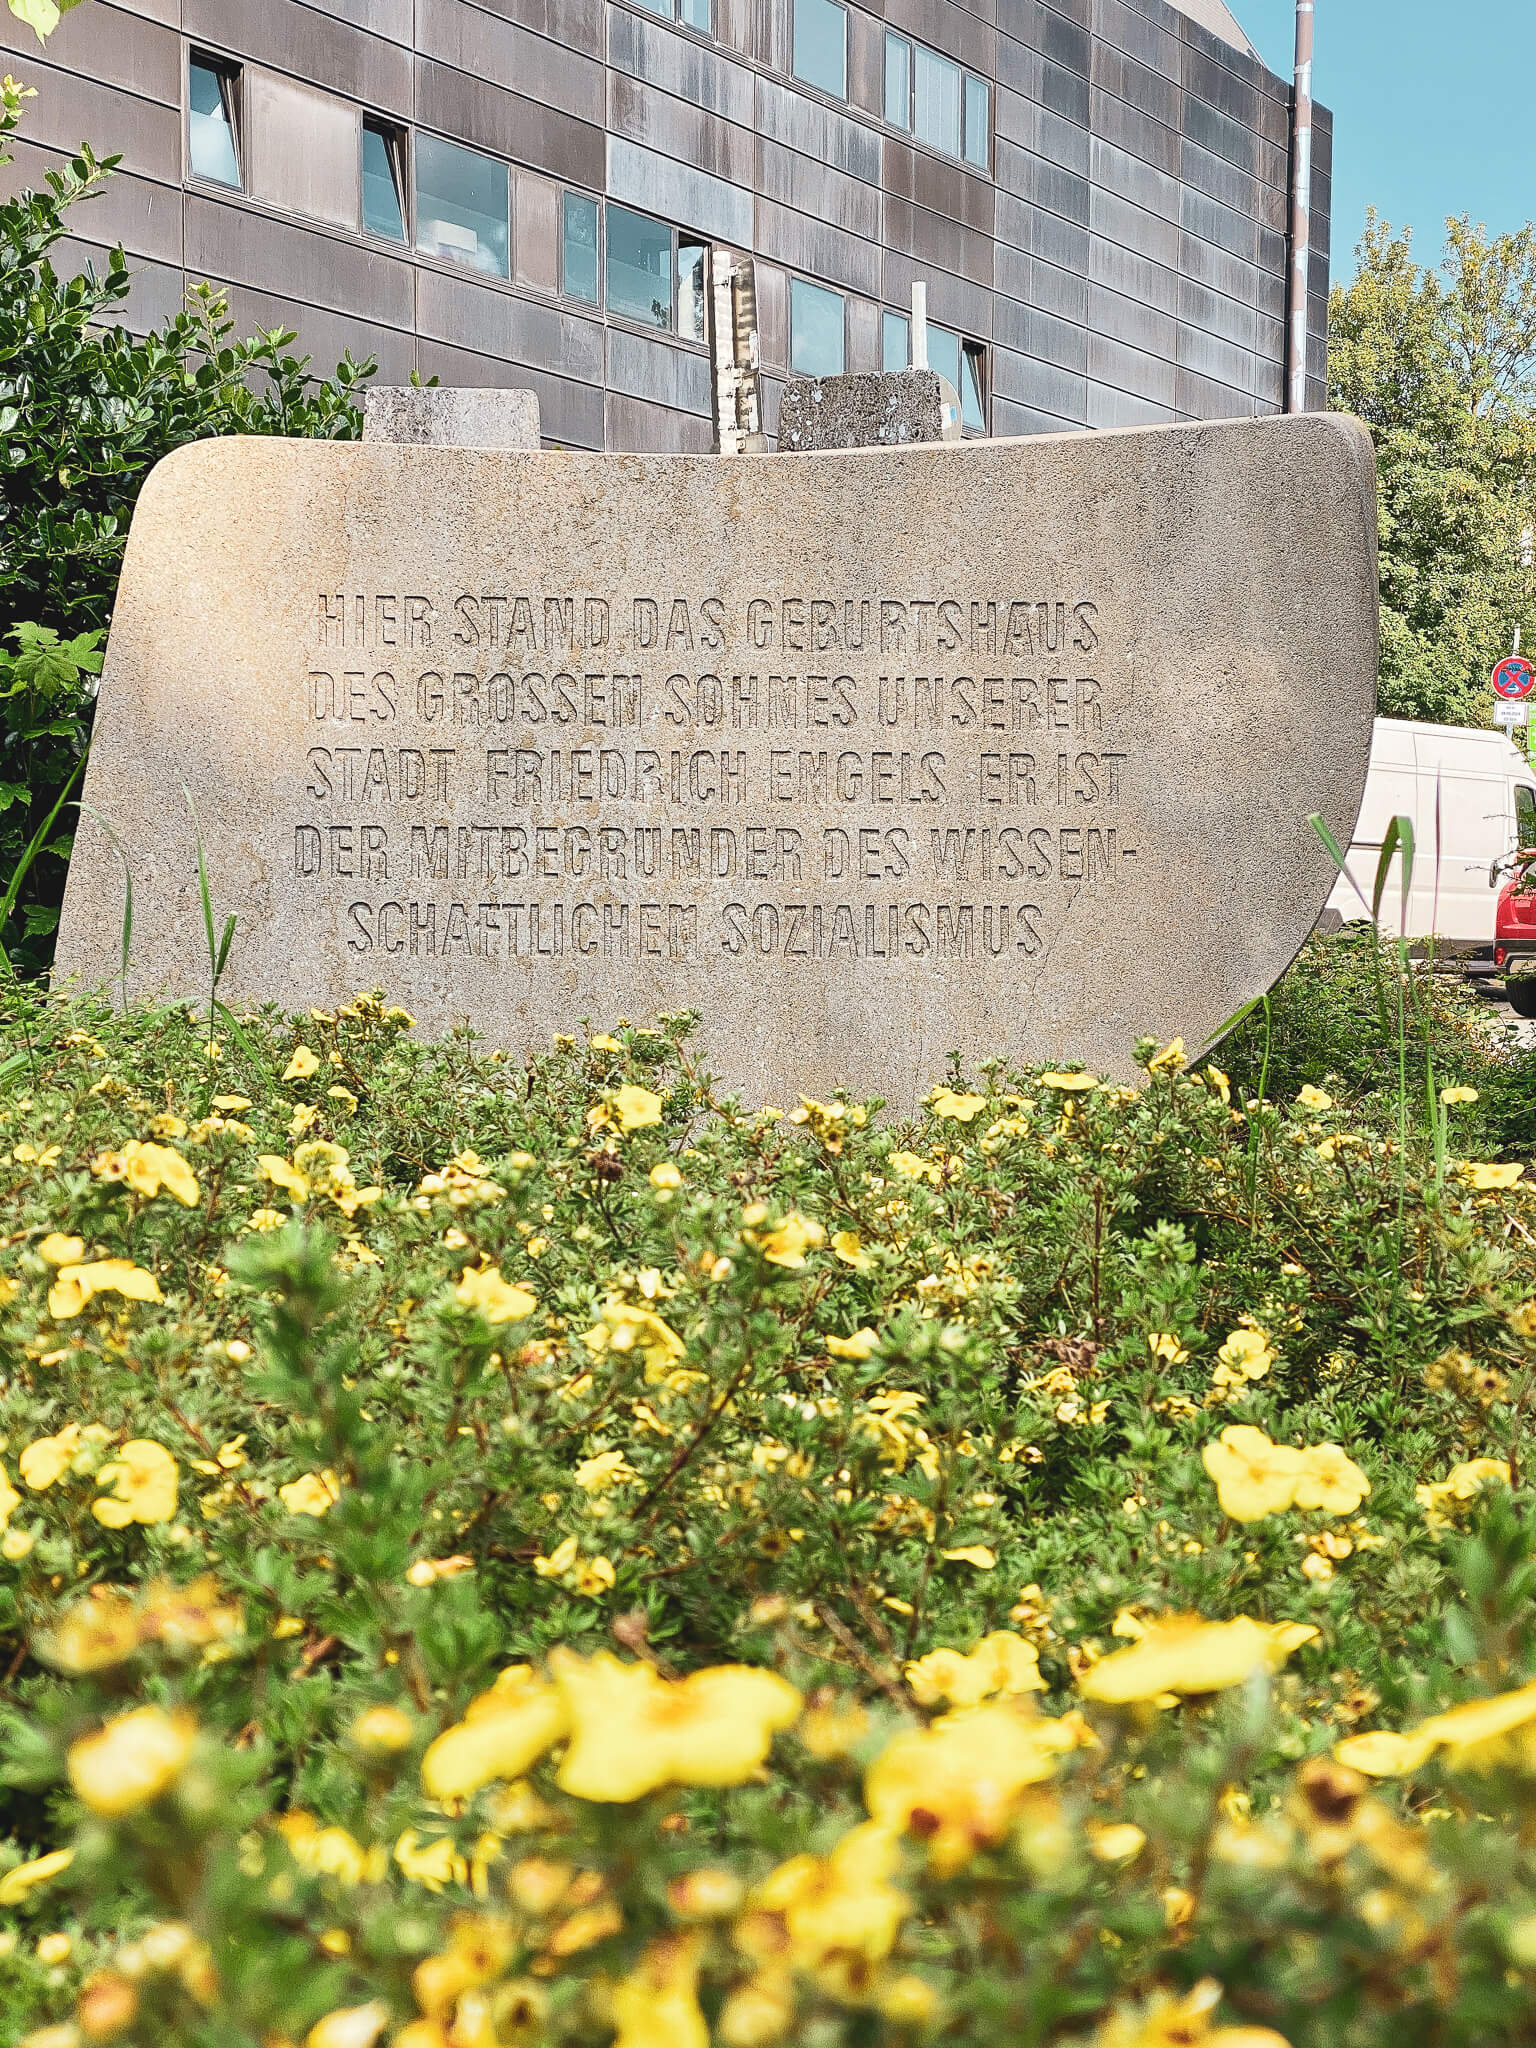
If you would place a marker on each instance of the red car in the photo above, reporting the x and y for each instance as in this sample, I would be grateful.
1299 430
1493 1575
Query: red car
1514 939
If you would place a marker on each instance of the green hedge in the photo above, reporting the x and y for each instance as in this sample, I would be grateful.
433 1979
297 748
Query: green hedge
512 1553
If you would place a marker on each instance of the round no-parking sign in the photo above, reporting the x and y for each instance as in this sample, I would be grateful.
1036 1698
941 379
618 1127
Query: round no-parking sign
1514 678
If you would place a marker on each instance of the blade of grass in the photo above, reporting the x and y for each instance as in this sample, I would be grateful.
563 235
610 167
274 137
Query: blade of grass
34 847
1323 833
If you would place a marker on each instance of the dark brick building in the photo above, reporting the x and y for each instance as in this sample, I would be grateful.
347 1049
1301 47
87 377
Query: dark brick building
525 191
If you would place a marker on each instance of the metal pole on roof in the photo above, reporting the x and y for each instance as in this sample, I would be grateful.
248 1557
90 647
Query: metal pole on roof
1301 211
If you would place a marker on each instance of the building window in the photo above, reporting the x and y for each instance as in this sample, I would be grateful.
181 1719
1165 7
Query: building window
461 205
692 289
895 342
384 149
578 248
978 120
821 46
898 81
928 96
213 120
691 13
964 364
936 101
816 327
639 268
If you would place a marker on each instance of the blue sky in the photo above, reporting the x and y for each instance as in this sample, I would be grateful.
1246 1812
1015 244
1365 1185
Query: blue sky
1431 106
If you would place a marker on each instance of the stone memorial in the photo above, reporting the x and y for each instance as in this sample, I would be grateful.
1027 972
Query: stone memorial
1007 748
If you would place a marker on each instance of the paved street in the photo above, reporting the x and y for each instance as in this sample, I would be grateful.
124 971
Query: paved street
1502 1018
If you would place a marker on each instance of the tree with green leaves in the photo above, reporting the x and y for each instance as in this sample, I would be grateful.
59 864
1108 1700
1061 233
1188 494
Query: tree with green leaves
87 408
41 16
1441 365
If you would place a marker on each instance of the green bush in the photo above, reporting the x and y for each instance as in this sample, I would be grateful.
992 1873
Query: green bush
1333 1018
86 411
510 1553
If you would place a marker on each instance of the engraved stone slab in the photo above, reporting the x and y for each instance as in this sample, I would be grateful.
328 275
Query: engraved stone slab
1007 747
890 407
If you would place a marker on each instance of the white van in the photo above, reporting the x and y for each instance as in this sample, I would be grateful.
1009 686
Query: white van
1472 798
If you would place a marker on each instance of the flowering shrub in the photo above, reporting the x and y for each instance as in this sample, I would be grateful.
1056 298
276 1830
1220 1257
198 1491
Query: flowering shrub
544 1554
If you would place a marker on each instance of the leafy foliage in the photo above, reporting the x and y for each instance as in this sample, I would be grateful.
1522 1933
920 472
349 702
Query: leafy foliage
1325 1022
391 1430
87 409
1442 368
41 16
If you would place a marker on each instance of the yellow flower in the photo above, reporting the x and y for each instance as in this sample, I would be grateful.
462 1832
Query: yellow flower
16 1884
76 1285
560 1559
637 1107
1330 1480
1001 1663
284 1176
595 1576
1314 1098
143 1484
962 1109
433 1864
231 1104
498 1300
1482 1178
912 1166
149 1168
861 1344
59 1250
302 1065
1169 2022
601 1041
315 1493
1116 1842
1170 1060
353 2026
842 1904
608 1468
1182 1654
972 1553
10 1501
1446 1500
131 1761
665 1175
382 1731
625 1328
1070 1084
1452 1096
1253 1476
1381 1754
787 1243
657 2004
958 1784
1165 1346
426 1571
1247 1352
633 1731
503 1734
847 1245
1481 1735
50 1457
328 1852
